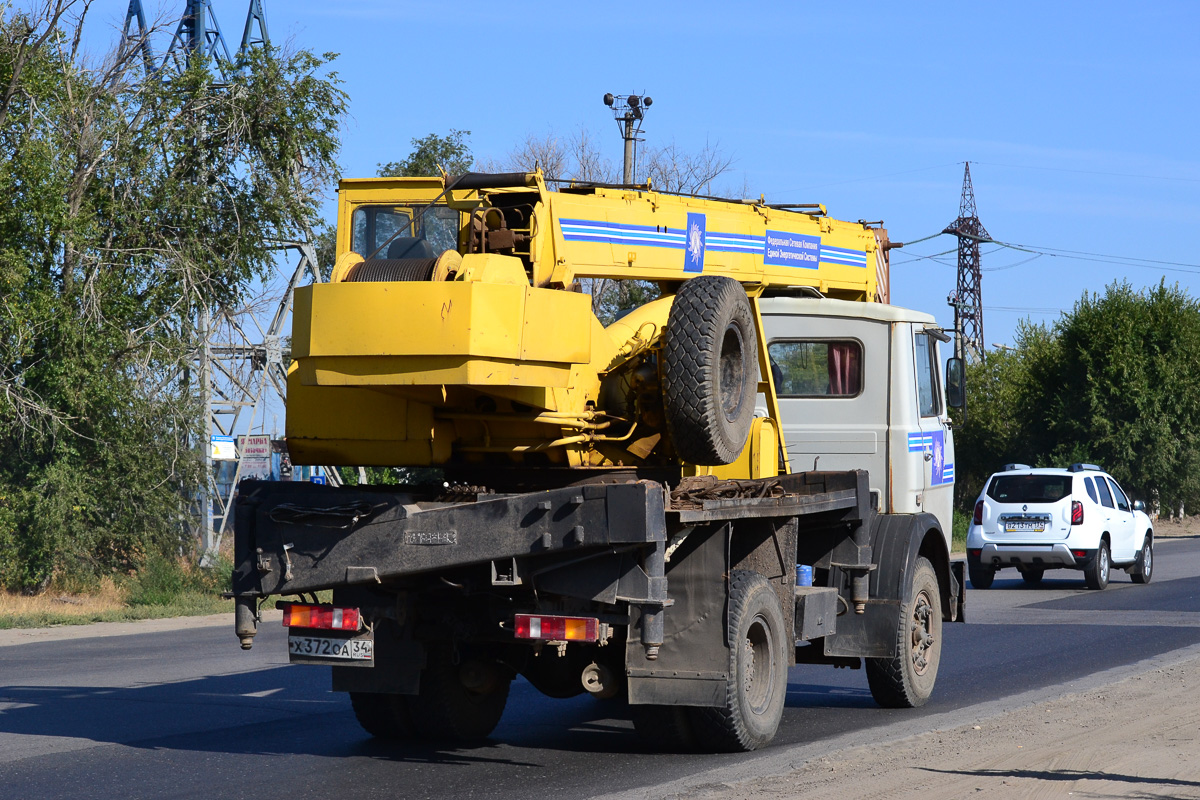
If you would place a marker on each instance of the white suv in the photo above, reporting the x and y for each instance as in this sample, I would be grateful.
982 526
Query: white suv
1074 518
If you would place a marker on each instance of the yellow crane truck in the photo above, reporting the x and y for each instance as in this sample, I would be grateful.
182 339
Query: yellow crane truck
752 471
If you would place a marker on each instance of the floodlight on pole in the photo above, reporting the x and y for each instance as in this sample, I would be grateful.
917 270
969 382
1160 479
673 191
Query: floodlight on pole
629 110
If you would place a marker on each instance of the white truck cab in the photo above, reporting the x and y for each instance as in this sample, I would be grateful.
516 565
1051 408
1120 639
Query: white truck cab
860 386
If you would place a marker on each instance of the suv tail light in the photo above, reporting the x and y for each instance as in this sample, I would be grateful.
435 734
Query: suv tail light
978 518
1076 512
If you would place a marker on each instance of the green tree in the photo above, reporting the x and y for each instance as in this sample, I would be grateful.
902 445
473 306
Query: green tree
1005 420
1125 389
132 203
430 155
1116 382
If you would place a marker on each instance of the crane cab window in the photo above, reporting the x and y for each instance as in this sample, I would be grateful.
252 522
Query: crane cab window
374 226
817 368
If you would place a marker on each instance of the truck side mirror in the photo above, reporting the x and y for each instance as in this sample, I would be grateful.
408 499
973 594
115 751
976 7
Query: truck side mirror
956 383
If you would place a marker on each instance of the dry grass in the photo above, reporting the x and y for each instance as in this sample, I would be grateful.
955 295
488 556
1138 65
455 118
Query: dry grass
164 590
107 599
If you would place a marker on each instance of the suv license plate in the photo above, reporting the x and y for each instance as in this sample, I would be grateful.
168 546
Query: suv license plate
1024 527
304 648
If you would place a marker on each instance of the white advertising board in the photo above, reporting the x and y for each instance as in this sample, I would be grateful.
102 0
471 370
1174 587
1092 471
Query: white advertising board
255 446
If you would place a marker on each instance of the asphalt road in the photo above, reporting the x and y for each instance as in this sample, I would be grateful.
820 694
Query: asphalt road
186 714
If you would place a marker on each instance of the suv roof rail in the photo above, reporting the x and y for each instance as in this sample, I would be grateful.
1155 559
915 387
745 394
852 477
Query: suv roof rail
1011 467
1080 467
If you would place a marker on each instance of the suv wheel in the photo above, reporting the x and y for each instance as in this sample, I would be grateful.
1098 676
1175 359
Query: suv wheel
1033 575
1145 563
981 576
1096 573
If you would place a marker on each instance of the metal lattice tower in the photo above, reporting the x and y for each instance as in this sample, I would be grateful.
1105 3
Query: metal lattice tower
249 39
198 32
141 40
967 300
242 362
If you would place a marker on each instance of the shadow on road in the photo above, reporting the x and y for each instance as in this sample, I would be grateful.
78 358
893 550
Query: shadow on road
1064 775
288 710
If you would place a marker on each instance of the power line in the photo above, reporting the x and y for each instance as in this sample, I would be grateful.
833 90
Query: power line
1057 252
860 180
1092 172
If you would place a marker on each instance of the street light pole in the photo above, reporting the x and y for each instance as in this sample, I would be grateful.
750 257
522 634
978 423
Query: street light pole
629 110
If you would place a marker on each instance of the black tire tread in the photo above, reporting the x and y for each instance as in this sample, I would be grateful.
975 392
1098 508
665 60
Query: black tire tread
722 729
445 710
1091 574
981 576
666 728
886 677
692 339
1137 576
384 716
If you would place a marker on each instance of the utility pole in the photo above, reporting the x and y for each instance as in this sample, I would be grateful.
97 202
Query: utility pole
629 110
967 299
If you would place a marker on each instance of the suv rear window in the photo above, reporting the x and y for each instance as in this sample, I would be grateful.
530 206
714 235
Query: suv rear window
1029 488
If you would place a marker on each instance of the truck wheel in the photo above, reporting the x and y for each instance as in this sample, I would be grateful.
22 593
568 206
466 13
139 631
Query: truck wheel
558 676
981 576
758 665
1145 563
666 728
384 716
906 681
460 702
1096 573
710 370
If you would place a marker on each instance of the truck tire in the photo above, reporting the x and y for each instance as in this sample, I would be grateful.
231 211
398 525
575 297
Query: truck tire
445 709
558 676
756 689
710 370
667 729
384 716
906 681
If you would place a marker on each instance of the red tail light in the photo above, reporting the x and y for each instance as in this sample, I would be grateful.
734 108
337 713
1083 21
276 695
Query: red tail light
560 629
978 518
1076 512
296 615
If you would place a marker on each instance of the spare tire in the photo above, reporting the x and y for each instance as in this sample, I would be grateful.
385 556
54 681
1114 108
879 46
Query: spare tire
710 370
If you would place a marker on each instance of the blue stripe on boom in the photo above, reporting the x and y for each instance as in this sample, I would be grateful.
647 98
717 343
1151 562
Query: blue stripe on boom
843 256
735 242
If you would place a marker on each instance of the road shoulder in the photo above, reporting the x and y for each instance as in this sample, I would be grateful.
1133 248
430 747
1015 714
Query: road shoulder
1128 731
17 636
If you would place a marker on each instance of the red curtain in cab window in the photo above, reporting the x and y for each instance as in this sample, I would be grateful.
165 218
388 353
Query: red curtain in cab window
844 368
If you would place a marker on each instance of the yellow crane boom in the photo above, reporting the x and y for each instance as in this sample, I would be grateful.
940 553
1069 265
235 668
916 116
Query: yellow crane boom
454 330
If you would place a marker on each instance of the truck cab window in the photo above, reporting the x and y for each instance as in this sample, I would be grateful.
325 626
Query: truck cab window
928 400
817 368
373 226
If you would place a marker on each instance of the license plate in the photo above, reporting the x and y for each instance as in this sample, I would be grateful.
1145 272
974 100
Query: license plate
304 648
1024 527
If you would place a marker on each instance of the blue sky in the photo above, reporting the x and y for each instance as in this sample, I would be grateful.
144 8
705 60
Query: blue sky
1079 119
